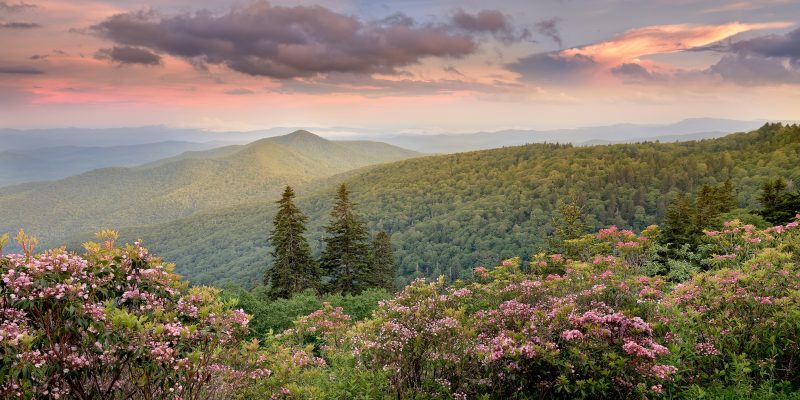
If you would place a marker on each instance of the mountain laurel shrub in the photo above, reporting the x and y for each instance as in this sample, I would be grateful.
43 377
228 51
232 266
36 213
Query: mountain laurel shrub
607 318
115 323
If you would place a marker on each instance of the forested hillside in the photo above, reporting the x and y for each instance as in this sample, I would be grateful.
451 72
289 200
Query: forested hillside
189 184
450 213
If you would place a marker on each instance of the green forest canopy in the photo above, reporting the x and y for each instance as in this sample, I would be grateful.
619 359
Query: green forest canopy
450 213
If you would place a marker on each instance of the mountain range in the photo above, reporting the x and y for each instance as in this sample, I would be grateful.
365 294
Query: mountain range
689 129
183 185
449 213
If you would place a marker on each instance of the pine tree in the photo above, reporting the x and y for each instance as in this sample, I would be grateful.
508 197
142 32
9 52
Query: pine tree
713 201
346 255
680 222
383 264
780 205
293 268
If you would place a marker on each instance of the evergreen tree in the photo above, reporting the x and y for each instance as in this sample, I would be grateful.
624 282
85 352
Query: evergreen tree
713 201
346 255
680 222
293 268
567 222
384 265
779 205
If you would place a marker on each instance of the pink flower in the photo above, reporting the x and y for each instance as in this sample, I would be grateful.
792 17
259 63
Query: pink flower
706 349
656 388
663 371
571 335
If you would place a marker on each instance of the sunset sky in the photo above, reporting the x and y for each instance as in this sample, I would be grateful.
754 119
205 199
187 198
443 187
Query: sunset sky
400 65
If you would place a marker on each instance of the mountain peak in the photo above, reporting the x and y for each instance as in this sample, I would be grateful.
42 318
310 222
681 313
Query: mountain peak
302 133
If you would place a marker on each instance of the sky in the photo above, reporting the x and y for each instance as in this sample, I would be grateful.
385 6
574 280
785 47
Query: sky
399 65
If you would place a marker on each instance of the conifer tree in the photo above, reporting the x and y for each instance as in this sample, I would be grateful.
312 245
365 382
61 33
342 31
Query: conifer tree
713 201
779 205
345 258
680 222
384 265
293 268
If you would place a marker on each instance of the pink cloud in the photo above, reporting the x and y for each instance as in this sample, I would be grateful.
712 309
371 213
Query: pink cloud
660 39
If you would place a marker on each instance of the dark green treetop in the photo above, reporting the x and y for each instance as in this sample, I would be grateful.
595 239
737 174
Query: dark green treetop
293 268
383 262
345 257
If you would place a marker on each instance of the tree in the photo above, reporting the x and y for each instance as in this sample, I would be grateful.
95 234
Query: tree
293 268
567 222
383 263
713 201
346 255
780 205
679 222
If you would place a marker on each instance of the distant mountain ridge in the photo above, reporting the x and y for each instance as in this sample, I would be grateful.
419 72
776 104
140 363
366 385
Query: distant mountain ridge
688 129
183 186
30 165
423 142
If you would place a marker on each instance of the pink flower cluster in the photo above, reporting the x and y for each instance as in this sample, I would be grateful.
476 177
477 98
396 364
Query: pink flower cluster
110 311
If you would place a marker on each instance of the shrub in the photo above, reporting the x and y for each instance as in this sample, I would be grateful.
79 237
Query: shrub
115 323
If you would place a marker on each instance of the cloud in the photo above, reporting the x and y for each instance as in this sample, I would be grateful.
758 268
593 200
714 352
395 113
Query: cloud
492 22
636 73
780 46
20 70
768 59
128 55
749 70
378 87
662 39
553 67
14 7
18 25
620 55
294 42
239 92
452 70
549 28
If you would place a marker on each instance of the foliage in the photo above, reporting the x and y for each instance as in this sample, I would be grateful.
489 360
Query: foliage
449 213
596 321
382 261
182 186
115 323
567 222
346 258
293 268
779 203
600 329
277 315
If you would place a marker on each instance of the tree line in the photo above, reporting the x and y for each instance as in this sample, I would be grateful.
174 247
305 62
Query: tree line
350 262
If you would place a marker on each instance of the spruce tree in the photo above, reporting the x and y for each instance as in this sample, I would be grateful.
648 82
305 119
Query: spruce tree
346 255
680 226
713 201
384 265
780 205
293 268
